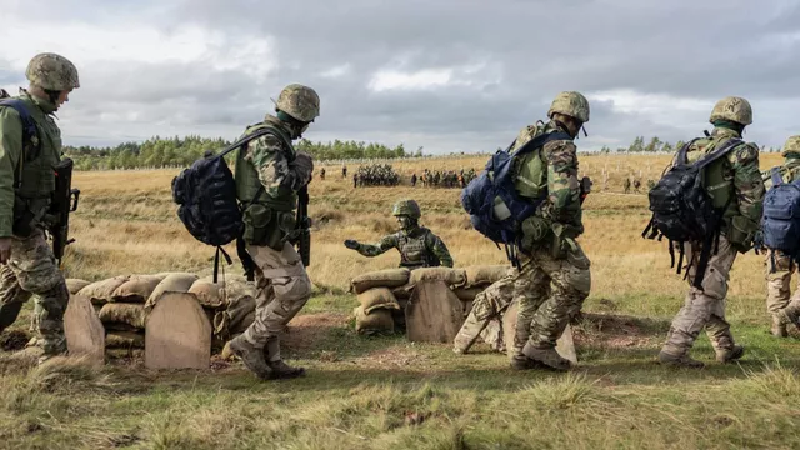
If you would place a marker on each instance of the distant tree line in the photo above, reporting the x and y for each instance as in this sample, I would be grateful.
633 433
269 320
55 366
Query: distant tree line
159 153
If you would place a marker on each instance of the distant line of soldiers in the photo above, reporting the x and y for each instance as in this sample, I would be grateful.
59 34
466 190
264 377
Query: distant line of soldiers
375 175
449 179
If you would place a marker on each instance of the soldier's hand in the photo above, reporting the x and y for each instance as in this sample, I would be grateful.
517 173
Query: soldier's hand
351 244
5 249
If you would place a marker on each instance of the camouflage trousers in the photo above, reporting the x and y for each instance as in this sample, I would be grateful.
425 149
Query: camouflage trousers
487 308
282 289
549 291
704 308
32 270
779 288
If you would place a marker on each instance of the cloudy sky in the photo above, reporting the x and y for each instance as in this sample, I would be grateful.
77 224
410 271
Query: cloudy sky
447 75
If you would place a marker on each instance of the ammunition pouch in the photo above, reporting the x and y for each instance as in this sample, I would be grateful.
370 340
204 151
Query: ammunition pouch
264 226
535 230
559 246
740 232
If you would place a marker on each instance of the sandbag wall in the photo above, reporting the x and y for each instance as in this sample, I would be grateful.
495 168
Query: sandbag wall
123 303
383 295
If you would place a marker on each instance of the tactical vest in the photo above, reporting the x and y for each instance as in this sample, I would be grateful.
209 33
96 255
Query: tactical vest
718 176
414 254
34 176
267 218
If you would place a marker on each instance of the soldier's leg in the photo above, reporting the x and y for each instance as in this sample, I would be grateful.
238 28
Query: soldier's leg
286 288
715 286
12 297
486 306
778 289
531 289
34 267
699 307
572 283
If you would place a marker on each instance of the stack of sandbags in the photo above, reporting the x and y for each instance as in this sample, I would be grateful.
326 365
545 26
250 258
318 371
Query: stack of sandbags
377 302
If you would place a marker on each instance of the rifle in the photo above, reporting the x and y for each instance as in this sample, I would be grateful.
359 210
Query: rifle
60 206
303 227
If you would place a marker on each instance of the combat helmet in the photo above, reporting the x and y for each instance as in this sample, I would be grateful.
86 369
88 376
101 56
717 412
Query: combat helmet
570 103
300 102
406 208
52 72
735 109
792 145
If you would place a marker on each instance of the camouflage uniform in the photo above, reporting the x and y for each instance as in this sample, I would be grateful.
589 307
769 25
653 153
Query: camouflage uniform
736 172
27 182
552 256
418 246
269 173
783 307
488 307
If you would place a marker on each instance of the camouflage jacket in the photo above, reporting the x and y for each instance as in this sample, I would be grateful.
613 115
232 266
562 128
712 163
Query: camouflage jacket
734 179
562 205
419 248
38 179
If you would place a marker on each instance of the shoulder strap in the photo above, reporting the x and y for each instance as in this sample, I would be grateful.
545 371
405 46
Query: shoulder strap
29 131
542 139
245 139
710 157
680 159
775 174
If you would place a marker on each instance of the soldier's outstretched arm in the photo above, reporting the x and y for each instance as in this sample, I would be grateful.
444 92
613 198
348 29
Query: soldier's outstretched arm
274 171
562 182
10 145
387 243
436 245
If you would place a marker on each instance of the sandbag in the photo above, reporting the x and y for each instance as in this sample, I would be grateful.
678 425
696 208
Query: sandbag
467 294
100 292
137 289
227 322
74 285
377 321
380 278
377 298
451 277
123 313
485 275
207 294
234 289
124 339
174 282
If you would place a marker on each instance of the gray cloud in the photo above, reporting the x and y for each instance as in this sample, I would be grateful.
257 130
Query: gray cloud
507 60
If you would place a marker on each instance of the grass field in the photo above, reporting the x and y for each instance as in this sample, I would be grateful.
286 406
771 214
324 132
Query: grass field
383 392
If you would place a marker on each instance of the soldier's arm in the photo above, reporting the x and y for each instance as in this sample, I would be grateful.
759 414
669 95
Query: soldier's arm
747 181
10 149
274 171
436 245
562 182
387 243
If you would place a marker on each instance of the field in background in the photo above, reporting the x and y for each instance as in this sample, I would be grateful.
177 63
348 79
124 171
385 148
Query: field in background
385 393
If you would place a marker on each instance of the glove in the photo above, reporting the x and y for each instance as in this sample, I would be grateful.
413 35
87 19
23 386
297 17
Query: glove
303 167
5 249
351 244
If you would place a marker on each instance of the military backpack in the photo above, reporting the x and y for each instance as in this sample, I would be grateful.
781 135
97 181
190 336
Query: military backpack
780 223
682 210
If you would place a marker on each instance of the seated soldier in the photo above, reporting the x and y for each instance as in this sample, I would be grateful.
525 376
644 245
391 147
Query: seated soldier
417 245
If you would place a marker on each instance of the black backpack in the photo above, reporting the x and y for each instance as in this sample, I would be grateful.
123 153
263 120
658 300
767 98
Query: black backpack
206 195
683 210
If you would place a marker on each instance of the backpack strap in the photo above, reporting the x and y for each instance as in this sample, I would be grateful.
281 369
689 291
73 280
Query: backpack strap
713 155
775 175
29 133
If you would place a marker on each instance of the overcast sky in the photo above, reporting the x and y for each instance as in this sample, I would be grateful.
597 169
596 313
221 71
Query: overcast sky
448 75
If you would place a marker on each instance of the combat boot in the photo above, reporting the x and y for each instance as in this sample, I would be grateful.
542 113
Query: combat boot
522 362
682 360
778 327
727 355
282 371
547 356
252 357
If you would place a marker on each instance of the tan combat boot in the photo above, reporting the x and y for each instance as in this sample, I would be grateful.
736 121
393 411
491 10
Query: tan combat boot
727 355
547 356
681 360
252 357
778 327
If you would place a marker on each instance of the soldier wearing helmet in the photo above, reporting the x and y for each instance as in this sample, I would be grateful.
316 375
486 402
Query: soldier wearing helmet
417 245
782 306
550 254
30 146
734 184
269 174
